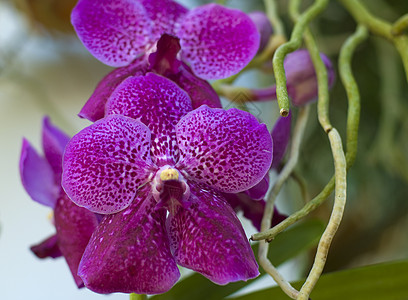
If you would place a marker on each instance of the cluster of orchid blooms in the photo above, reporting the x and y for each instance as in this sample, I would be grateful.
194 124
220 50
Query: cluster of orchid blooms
156 180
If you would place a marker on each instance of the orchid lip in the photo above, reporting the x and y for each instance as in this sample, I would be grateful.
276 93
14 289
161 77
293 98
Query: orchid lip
165 174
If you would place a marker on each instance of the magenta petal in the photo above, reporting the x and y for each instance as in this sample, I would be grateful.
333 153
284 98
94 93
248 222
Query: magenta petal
37 176
75 226
114 31
280 137
199 90
264 27
253 209
258 191
217 41
159 104
301 76
130 252
164 14
206 236
227 150
105 163
164 61
54 142
47 248
94 108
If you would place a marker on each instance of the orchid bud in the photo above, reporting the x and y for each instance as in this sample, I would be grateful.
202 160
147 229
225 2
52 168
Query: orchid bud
264 27
301 76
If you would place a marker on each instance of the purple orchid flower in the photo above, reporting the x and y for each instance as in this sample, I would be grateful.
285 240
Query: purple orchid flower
264 27
301 76
164 62
216 41
251 202
41 178
228 40
152 153
301 80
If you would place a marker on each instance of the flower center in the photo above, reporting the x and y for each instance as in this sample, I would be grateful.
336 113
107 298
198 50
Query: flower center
169 174
170 188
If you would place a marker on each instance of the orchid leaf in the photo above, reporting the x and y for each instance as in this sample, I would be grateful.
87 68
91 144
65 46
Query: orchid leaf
387 281
285 246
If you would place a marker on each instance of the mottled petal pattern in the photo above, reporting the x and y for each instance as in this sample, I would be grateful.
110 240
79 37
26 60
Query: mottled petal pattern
281 138
114 31
227 150
47 248
164 14
37 176
217 41
159 104
54 142
129 252
75 226
94 108
105 163
199 90
207 237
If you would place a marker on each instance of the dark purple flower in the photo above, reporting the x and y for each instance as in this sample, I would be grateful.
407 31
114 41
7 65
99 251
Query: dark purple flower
301 76
281 137
164 62
41 177
153 154
301 80
252 209
216 41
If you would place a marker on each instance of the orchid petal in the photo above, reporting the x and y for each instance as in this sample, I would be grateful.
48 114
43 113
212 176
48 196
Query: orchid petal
47 248
130 252
54 142
217 41
164 14
253 209
105 163
206 236
114 31
159 104
37 176
94 108
301 76
75 226
258 191
228 150
164 61
199 90
280 136
263 26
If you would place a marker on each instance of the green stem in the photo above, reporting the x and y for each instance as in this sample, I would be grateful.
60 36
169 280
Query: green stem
353 119
292 45
378 27
321 71
134 296
302 185
400 25
272 13
268 213
353 94
274 42
335 218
